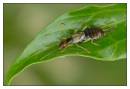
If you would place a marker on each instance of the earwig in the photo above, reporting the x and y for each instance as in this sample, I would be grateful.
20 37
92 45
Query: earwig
87 34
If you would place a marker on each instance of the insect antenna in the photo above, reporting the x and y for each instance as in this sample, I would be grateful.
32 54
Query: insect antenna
109 27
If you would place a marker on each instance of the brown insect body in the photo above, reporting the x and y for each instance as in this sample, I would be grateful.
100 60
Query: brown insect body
94 33
87 35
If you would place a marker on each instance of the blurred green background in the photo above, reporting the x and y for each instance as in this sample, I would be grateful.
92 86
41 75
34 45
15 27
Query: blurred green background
22 22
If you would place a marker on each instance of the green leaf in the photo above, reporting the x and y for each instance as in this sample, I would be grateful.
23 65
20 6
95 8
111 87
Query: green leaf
46 45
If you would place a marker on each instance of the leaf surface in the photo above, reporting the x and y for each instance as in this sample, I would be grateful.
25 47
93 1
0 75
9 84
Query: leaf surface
45 46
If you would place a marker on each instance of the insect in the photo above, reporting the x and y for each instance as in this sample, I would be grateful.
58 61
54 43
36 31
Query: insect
88 34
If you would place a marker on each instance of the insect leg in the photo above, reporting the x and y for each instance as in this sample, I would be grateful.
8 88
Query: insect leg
92 42
109 27
84 28
82 48
62 50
